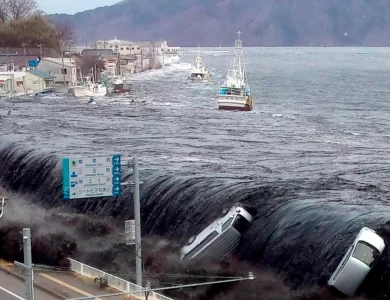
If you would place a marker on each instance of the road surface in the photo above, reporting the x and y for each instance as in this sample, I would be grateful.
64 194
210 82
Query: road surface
12 288
63 284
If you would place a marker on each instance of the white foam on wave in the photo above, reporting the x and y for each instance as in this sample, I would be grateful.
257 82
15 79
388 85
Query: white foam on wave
158 73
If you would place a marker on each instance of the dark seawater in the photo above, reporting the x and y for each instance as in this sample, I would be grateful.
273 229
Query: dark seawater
312 157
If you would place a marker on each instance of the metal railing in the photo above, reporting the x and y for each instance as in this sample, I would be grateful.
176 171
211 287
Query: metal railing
113 281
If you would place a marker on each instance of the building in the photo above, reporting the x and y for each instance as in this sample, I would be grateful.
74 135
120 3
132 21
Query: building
137 48
110 58
128 64
37 80
11 81
16 83
62 69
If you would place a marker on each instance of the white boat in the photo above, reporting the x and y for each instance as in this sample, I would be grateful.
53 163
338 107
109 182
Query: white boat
198 70
88 88
220 237
235 93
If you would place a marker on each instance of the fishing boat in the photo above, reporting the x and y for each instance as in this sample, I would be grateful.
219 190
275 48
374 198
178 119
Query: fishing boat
118 87
235 92
88 88
198 70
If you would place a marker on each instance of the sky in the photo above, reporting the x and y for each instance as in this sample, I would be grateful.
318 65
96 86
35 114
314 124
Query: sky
71 6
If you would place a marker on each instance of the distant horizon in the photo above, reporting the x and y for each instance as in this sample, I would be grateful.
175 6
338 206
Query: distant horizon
232 47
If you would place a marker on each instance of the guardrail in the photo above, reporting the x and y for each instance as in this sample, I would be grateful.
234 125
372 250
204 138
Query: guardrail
113 281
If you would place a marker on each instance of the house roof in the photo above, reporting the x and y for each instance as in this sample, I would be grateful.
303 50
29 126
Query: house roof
98 52
128 57
41 74
58 61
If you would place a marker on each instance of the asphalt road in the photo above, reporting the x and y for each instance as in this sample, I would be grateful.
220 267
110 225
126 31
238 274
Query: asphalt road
12 288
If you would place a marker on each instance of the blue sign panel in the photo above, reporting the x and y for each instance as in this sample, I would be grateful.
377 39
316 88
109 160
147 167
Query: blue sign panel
91 177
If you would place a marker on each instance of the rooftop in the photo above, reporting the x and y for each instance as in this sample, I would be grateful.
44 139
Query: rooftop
41 74
59 61
98 52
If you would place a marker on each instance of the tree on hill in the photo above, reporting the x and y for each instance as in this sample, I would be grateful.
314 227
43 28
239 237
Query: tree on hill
22 22
17 9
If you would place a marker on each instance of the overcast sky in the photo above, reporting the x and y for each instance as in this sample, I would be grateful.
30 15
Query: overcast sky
72 6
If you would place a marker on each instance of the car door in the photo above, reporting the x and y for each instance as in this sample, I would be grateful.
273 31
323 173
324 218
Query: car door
341 265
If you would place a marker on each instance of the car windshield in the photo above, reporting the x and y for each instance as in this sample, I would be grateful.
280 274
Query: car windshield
365 253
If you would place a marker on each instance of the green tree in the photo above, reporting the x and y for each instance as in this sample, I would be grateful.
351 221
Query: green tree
22 22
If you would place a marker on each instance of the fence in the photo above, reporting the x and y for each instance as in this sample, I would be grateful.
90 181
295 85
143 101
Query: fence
113 281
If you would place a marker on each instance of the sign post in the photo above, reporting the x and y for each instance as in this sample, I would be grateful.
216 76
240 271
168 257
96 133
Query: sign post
101 176
27 266
91 177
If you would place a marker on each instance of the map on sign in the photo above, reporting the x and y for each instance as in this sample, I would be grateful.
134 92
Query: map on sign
90 177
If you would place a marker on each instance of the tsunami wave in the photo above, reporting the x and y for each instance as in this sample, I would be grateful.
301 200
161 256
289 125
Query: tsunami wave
298 232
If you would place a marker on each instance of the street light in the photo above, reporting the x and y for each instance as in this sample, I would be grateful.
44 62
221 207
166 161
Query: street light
3 202
148 289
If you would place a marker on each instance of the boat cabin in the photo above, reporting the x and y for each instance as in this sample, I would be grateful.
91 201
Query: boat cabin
233 91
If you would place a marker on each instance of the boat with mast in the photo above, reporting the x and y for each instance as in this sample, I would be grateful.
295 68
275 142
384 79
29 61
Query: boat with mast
198 71
88 87
235 92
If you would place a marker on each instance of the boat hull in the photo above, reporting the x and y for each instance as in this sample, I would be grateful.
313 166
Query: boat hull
80 92
240 103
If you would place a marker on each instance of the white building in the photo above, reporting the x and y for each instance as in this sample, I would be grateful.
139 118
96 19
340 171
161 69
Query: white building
16 83
137 48
55 67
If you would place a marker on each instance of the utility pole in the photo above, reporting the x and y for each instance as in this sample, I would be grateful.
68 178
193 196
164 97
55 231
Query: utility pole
63 64
163 52
28 262
142 58
70 43
137 218
133 227
86 44
9 58
119 64
154 57
40 51
27 266
25 55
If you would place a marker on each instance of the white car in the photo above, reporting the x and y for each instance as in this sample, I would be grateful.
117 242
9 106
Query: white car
220 237
357 262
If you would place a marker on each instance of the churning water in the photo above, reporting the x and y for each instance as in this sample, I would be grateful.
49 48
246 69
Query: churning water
312 157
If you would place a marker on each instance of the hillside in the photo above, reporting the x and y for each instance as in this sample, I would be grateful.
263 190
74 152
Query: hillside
263 22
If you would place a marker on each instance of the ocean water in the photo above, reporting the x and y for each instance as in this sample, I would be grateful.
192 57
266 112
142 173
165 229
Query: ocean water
312 156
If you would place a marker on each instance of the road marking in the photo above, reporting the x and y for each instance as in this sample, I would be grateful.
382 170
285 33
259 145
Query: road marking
12 294
71 287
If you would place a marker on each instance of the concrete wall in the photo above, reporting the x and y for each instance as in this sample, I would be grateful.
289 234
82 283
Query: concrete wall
10 79
32 82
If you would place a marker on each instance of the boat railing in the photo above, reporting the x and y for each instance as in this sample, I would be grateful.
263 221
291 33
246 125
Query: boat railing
225 91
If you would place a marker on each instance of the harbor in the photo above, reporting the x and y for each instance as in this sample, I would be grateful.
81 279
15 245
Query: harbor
106 67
